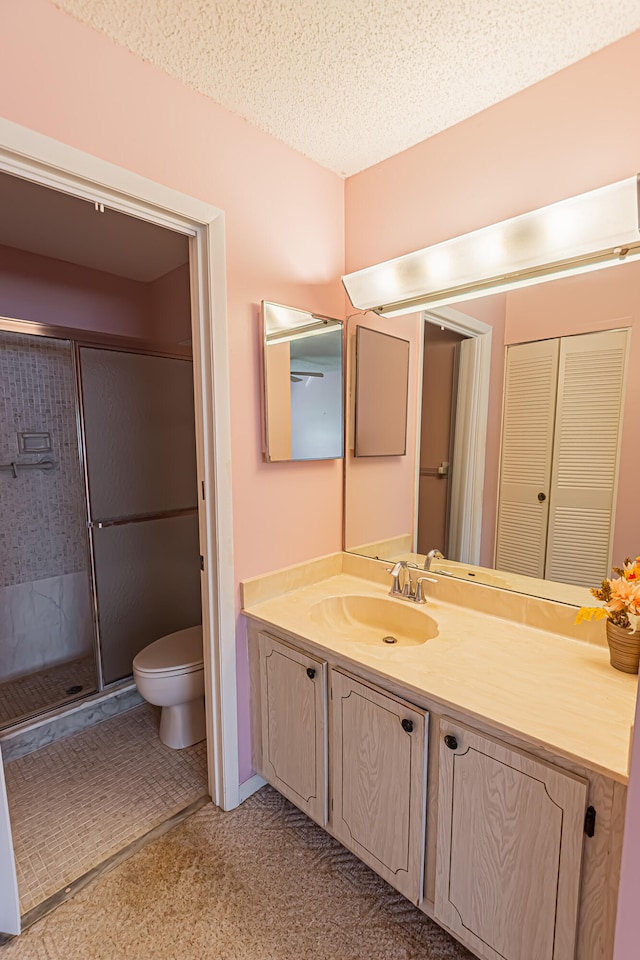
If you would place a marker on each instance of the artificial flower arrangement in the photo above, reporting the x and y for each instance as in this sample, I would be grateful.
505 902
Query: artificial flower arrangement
621 598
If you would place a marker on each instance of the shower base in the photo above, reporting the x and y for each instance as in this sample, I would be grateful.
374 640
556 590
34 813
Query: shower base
36 693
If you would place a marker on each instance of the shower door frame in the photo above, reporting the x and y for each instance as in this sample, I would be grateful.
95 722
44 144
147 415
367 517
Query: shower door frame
77 339
32 156
119 344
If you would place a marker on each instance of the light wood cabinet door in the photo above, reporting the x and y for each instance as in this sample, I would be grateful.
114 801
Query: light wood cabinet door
510 833
293 712
378 772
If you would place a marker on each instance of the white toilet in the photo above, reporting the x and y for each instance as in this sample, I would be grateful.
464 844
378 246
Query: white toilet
170 674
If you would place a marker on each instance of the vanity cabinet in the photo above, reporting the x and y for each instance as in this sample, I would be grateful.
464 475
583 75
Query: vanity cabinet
509 848
378 770
293 710
505 864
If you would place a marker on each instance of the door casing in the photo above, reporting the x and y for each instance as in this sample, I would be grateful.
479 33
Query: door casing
32 156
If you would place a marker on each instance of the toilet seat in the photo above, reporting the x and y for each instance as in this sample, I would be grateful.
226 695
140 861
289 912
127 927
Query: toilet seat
174 655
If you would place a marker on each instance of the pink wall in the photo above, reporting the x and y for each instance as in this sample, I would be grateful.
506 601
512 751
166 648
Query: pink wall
568 134
284 242
169 306
52 291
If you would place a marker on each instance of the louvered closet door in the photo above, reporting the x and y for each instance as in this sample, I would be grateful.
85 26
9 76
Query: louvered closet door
585 466
531 377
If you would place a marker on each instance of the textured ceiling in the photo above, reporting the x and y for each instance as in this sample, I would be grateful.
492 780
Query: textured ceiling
351 82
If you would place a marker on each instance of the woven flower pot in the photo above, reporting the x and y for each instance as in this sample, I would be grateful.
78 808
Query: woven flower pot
624 648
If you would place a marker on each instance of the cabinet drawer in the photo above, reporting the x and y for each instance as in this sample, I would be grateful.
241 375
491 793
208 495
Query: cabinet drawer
293 719
378 768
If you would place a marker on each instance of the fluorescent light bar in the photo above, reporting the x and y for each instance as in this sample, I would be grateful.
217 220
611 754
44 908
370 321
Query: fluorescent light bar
288 323
587 232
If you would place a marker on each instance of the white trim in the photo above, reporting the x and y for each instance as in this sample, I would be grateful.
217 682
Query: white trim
9 901
418 437
250 786
32 156
473 397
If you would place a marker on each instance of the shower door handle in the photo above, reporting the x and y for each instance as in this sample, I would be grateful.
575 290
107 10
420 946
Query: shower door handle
142 518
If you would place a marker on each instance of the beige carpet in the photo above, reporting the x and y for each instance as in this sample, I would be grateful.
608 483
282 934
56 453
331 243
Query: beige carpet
259 883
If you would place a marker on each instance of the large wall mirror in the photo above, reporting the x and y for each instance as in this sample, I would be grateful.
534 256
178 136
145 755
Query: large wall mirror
303 384
566 367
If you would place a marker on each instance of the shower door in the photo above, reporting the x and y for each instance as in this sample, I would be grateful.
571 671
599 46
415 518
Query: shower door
46 627
139 437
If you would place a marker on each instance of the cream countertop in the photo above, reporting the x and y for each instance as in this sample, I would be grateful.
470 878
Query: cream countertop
542 686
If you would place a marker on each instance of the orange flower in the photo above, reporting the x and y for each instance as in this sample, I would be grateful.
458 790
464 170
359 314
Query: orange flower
625 595
620 598
632 569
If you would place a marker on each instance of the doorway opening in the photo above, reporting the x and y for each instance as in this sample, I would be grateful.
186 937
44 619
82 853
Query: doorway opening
42 160
105 187
466 342
440 365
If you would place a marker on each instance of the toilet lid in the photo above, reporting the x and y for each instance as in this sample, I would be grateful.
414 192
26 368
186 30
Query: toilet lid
179 651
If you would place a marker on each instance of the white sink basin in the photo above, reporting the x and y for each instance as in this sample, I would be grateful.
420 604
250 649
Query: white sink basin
378 621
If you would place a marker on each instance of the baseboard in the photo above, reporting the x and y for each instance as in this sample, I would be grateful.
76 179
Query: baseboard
250 786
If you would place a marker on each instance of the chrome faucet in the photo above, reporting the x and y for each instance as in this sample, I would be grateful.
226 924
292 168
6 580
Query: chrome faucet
434 554
407 591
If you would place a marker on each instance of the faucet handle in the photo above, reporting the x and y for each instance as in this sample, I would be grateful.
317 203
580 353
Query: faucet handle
407 590
395 572
419 594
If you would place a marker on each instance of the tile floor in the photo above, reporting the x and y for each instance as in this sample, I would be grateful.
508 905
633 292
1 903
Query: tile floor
77 802
29 695
261 882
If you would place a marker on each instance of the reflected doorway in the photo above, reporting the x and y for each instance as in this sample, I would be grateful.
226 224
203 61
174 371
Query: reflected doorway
437 433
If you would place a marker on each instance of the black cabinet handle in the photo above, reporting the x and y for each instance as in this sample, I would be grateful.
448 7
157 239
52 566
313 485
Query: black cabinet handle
590 821
451 742
407 726
542 497
311 673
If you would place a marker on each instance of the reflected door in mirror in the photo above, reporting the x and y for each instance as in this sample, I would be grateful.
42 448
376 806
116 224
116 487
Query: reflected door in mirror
560 451
439 387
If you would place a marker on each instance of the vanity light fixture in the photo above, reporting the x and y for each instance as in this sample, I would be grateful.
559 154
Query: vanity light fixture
593 230
288 323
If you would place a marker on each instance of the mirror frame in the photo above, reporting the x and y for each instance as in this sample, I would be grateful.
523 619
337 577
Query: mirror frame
288 323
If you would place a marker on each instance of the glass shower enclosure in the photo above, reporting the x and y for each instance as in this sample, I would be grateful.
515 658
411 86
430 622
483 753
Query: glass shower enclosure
99 550
139 439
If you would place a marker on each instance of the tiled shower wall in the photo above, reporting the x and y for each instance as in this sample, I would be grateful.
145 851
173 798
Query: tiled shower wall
44 594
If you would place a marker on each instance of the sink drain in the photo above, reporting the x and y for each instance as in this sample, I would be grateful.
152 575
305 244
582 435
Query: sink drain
389 639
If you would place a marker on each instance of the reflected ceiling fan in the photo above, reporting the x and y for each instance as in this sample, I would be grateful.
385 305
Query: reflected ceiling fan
298 375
